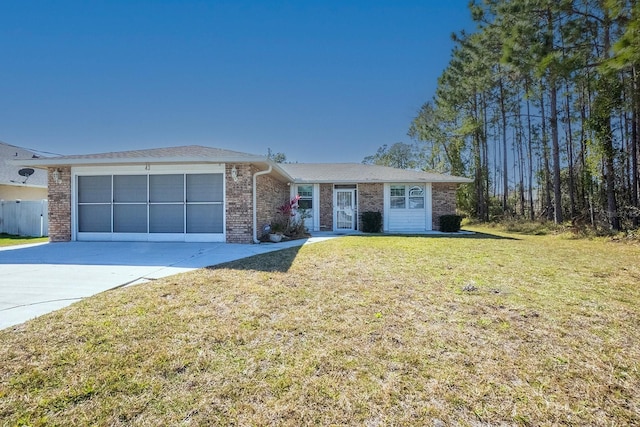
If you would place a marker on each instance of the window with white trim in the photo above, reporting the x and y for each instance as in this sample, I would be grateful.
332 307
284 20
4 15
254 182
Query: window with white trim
306 197
407 197
398 200
416 197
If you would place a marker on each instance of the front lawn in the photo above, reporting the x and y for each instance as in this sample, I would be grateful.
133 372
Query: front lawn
11 240
491 329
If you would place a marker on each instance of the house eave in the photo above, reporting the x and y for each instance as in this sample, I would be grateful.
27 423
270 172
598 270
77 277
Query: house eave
19 184
260 162
456 180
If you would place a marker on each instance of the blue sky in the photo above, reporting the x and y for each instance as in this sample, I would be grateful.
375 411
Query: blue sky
321 81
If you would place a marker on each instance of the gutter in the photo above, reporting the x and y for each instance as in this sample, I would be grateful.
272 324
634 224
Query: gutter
255 199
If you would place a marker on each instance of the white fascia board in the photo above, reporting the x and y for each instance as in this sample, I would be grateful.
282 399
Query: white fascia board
276 167
447 180
83 162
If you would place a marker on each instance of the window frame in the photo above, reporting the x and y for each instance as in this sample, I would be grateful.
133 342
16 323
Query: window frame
412 198
398 201
403 196
306 196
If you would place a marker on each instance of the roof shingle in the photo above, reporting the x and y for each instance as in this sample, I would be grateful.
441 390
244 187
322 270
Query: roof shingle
183 152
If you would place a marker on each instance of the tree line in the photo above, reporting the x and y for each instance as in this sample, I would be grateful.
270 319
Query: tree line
539 105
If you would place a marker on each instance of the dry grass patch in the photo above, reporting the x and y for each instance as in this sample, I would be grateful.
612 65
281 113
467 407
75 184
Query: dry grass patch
533 330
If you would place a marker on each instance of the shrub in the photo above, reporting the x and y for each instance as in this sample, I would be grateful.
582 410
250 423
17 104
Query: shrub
450 223
371 222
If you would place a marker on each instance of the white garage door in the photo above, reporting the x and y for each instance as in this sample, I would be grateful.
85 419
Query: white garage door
155 207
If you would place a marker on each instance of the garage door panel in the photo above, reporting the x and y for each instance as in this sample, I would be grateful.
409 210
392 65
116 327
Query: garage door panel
166 218
130 188
130 218
94 189
166 188
205 188
204 218
94 218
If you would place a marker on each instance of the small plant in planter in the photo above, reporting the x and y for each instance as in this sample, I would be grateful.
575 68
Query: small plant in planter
277 231
285 223
297 229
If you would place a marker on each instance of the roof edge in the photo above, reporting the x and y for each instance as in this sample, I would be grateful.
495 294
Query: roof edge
46 162
454 180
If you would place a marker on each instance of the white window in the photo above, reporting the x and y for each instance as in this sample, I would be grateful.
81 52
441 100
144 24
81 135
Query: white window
416 197
404 196
306 197
398 200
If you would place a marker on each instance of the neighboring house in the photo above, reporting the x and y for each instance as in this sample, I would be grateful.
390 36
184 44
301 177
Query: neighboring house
196 193
23 194
14 186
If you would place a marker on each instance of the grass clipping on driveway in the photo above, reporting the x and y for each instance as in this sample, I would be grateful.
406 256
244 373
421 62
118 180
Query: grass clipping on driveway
367 331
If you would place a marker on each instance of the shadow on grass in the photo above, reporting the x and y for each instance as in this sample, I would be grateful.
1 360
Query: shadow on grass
276 261
281 260
468 235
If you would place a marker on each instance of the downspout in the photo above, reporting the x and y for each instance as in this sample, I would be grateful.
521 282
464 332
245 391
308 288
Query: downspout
255 199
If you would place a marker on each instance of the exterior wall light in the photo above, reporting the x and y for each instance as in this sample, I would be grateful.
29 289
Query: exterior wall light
56 176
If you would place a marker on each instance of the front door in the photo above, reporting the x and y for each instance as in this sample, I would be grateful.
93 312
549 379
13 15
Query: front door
345 209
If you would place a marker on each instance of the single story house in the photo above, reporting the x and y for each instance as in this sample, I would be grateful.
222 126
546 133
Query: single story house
196 193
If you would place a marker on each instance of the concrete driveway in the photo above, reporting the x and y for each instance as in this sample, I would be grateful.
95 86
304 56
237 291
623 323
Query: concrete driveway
37 279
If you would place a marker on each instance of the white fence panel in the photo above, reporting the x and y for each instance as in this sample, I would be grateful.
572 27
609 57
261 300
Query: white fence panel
24 218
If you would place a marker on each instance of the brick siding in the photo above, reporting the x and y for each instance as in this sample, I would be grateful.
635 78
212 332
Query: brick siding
271 194
326 207
239 204
59 204
370 199
444 201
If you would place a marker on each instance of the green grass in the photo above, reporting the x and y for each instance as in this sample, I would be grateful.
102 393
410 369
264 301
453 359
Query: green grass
353 331
11 240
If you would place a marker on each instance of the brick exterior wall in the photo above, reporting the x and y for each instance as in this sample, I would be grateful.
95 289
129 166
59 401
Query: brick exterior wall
271 194
326 207
59 205
443 201
239 204
370 198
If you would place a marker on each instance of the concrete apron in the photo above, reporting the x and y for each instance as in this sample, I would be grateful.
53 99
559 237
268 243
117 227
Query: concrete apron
37 279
